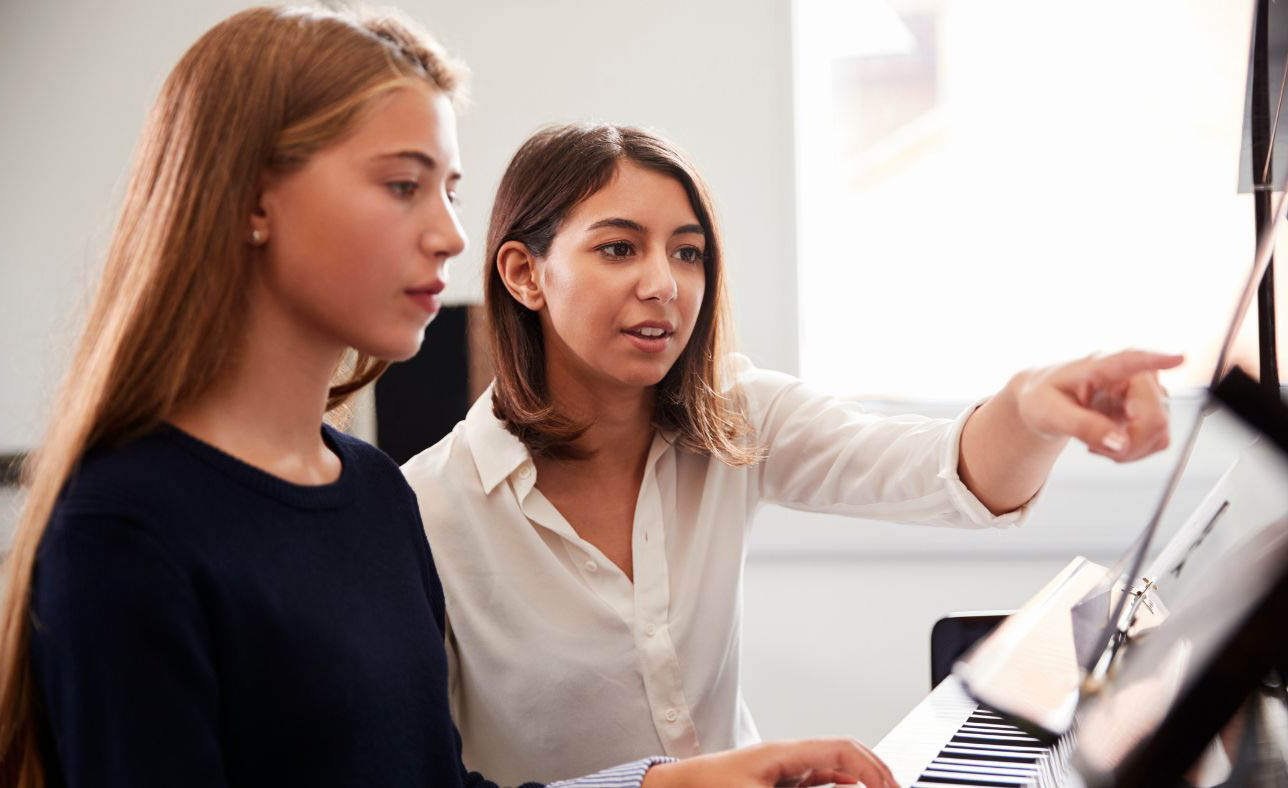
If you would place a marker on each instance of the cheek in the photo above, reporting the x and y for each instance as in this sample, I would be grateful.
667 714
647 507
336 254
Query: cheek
336 244
578 302
692 292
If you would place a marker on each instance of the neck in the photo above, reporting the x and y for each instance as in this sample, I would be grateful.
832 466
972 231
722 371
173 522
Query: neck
268 410
619 418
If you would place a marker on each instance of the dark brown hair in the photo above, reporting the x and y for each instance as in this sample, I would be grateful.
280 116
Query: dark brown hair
551 173
170 309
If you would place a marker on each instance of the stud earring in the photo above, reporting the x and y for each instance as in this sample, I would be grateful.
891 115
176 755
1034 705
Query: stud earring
256 236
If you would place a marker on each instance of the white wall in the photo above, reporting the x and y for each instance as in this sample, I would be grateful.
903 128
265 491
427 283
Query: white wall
77 77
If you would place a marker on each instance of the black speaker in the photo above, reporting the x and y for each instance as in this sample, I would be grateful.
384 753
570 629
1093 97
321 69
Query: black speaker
419 401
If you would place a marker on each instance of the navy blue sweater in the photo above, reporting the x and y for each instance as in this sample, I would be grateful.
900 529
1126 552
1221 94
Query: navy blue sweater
198 622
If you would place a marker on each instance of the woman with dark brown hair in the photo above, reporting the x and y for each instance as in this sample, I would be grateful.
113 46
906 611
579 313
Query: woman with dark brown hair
208 586
595 501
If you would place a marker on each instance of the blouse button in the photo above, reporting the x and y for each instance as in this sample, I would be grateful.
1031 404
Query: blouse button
591 566
672 715
525 472
650 630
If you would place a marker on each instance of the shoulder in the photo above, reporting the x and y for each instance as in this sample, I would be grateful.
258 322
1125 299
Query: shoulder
473 457
440 473
106 533
132 480
369 461
378 484
758 387
448 458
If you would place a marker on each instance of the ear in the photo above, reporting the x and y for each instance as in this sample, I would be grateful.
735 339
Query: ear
257 232
518 269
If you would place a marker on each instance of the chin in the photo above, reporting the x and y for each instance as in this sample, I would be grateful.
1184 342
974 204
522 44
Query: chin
644 374
392 349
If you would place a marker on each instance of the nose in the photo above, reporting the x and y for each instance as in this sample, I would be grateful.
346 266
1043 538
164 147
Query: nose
657 283
443 237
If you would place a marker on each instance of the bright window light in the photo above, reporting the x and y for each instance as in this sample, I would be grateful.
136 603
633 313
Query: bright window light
985 185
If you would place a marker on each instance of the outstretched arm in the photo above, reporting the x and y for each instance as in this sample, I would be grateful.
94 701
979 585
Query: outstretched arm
1114 404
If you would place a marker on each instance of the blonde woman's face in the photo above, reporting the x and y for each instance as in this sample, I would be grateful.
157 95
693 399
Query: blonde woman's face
624 279
358 239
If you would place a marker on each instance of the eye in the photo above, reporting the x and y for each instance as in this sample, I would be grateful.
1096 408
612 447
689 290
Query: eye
403 189
616 250
689 254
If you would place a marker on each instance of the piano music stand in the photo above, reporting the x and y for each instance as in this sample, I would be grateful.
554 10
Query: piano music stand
1252 587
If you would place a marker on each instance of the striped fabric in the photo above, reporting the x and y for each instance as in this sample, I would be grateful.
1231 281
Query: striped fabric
628 775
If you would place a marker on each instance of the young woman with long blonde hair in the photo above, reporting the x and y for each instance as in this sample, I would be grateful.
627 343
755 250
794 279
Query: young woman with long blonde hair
209 586
595 502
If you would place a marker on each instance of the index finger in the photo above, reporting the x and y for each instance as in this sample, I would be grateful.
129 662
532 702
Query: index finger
1126 363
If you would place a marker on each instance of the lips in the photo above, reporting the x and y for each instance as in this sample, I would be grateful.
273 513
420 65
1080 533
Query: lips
426 296
650 336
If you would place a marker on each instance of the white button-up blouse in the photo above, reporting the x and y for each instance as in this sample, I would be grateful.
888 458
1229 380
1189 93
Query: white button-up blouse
560 665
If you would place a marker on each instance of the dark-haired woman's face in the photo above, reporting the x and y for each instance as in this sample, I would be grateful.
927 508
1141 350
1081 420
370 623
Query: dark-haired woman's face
623 281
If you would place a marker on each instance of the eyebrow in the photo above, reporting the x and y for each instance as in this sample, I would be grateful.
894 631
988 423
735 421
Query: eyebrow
627 224
414 155
420 157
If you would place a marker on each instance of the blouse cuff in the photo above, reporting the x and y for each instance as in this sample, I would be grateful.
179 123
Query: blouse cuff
628 775
961 496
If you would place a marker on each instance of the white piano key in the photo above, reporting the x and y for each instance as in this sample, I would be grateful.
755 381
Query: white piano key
919 736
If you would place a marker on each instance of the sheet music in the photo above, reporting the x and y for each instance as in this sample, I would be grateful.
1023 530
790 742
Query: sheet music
1029 667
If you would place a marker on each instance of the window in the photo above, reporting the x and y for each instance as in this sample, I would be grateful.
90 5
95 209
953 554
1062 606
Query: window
985 185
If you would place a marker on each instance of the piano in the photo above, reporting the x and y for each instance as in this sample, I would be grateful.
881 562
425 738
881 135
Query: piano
1180 676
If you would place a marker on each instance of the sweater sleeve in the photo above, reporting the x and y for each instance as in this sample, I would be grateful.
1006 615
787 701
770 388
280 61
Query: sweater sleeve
121 657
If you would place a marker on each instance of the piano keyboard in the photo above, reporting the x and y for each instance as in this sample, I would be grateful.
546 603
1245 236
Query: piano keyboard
948 739
987 750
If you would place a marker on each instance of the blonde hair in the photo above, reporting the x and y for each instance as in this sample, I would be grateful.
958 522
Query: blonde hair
257 95
552 172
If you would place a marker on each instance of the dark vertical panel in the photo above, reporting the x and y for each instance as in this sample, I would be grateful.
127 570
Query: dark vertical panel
420 400
1262 128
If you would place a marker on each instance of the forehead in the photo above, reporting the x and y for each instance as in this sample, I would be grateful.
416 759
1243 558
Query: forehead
657 201
415 117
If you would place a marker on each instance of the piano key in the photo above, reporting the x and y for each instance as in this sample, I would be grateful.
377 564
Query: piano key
978 731
1004 744
1001 726
986 738
949 740
936 776
985 763
919 737
942 765
1016 749
992 755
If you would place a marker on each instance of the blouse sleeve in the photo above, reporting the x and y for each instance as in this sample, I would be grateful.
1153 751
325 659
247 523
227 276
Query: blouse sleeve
122 659
827 454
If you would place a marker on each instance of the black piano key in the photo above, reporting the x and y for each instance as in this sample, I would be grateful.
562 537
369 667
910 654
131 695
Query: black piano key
971 730
990 755
966 770
1001 726
949 778
984 738
985 764
1013 749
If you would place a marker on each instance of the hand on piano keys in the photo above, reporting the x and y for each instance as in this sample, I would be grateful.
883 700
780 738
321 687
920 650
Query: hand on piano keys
815 762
